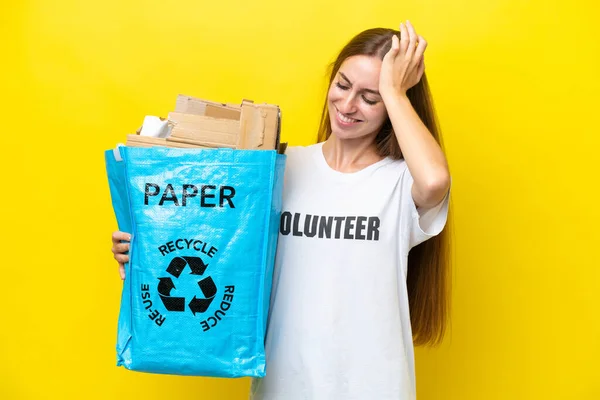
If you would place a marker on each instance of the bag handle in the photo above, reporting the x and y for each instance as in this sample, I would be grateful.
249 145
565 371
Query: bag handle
117 152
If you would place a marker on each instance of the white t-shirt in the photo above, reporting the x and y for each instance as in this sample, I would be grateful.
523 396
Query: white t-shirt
339 324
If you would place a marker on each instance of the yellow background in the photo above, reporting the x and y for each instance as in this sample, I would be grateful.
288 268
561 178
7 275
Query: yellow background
516 88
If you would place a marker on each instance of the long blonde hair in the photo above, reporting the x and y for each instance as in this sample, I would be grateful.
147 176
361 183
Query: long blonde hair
429 267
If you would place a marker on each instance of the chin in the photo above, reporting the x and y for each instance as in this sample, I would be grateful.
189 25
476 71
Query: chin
345 134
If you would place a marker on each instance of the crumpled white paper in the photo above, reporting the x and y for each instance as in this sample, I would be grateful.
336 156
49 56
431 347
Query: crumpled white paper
155 127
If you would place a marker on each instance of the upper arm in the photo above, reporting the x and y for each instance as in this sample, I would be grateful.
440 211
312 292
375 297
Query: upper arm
426 216
429 196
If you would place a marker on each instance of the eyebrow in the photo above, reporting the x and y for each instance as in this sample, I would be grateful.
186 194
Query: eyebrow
365 90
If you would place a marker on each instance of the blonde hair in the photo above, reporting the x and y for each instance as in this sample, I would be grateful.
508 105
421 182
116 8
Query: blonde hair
429 267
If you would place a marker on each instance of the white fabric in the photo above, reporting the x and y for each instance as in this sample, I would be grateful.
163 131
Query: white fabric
339 325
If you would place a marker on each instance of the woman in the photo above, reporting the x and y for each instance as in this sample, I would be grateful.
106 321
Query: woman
375 187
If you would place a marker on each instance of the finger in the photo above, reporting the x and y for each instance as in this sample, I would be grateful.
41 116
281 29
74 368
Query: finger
393 51
412 37
421 69
421 47
396 43
119 248
404 38
419 52
395 46
121 258
118 236
122 271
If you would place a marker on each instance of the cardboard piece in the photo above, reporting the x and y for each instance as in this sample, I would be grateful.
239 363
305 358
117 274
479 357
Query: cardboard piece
192 105
259 126
146 141
208 124
200 129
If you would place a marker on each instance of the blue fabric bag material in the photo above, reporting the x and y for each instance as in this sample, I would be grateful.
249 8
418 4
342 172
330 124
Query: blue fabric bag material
204 227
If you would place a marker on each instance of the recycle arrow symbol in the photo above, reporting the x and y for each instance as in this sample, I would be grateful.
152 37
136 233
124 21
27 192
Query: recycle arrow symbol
207 285
209 290
164 291
177 265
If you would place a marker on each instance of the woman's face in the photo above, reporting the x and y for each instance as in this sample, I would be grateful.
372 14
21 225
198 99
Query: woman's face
356 109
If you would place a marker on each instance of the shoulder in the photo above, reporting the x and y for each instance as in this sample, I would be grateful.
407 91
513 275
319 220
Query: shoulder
294 151
302 154
397 169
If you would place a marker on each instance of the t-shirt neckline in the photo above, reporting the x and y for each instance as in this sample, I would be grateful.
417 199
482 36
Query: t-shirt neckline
324 166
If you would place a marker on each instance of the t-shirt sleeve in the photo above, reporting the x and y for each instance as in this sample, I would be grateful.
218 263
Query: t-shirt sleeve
421 224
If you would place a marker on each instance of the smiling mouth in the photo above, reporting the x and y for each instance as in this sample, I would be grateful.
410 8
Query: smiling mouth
344 119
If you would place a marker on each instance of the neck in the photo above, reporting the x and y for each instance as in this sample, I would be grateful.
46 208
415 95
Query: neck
350 155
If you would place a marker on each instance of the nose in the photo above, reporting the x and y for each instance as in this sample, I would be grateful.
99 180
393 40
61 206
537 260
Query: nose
347 105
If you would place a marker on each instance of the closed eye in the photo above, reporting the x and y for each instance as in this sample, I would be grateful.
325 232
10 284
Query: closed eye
344 87
371 102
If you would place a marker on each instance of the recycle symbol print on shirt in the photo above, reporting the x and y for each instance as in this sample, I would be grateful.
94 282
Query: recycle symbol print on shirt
207 286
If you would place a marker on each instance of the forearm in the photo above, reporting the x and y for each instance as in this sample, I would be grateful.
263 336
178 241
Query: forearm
424 157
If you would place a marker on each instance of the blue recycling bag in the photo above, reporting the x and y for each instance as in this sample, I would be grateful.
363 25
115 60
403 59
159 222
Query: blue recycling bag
204 227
